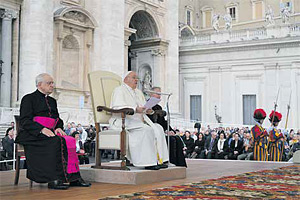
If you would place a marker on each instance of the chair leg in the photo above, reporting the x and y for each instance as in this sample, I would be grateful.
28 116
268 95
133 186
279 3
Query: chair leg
30 184
17 173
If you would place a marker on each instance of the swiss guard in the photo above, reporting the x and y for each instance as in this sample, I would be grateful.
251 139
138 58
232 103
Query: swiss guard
275 147
259 135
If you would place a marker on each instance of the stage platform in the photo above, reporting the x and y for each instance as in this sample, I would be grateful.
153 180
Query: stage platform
135 176
197 170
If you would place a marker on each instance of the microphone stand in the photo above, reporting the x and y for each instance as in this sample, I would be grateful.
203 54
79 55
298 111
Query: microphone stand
168 124
168 116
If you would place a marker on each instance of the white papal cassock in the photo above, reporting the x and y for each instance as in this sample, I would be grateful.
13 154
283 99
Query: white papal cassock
146 140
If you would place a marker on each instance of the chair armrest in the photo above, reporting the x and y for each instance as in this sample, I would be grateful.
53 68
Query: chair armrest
126 111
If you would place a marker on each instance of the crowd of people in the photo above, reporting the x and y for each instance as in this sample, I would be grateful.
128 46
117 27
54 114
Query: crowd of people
231 143
85 140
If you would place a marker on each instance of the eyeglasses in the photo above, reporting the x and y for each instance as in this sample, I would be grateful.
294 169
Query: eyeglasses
49 82
135 78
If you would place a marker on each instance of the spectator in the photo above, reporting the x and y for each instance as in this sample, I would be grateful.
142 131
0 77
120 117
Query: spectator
82 156
206 134
12 125
197 126
189 142
220 154
199 146
90 142
291 137
209 146
72 130
247 149
286 149
83 134
8 143
73 125
295 146
68 129
194 136
236 147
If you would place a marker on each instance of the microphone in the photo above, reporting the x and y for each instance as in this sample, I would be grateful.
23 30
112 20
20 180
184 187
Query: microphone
154 92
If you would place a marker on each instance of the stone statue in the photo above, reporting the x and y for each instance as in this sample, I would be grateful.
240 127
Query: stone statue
147 81
270 16
228 21
285 13
215 22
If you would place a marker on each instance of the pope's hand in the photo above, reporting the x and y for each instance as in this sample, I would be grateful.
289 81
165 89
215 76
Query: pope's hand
149 112
140 109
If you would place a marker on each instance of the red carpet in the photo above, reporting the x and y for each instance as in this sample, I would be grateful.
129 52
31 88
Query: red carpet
282 183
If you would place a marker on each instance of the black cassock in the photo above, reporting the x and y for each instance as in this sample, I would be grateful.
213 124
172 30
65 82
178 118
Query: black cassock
46 157
176 144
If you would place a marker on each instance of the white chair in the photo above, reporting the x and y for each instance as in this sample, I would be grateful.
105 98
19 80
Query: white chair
102 84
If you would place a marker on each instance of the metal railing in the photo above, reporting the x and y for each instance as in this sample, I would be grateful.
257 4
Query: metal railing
7 115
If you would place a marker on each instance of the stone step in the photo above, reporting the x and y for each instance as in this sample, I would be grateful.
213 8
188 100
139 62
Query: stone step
135 176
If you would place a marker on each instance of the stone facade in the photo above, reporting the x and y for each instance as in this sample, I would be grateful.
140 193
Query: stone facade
9 55
251 59
70 38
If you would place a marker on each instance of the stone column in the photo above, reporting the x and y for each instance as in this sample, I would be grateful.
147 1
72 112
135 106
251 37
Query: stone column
159 67
36 43
127 43
5 91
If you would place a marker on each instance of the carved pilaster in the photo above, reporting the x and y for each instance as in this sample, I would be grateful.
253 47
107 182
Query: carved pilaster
60 28
89 37
8 14
127 33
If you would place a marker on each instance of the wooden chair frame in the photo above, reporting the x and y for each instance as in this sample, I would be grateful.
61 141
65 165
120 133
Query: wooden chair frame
123 112
19 151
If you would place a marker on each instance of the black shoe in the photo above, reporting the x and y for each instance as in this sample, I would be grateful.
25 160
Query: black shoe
128 164
80 183
163 166
57 185
105 156
154 167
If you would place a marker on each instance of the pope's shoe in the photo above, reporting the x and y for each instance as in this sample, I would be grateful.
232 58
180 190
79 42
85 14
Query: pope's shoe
163 166
154 167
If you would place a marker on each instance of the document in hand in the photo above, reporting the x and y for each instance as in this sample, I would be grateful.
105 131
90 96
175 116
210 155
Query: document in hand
151 102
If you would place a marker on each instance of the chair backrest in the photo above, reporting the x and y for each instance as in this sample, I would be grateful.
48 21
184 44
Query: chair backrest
102 84
19 147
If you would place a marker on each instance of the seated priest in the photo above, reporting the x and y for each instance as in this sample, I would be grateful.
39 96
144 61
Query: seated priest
50 154
176 143
147 145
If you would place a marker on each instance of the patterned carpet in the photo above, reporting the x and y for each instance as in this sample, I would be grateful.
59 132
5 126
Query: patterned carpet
282 183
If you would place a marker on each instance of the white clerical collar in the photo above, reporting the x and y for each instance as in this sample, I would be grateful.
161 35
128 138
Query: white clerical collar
46 95
130 88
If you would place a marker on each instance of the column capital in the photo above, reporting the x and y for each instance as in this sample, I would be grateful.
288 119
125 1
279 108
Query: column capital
127 43
8 14
158 52
128 32
133 54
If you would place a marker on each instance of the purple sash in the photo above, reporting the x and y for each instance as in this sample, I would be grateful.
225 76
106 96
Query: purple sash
73 163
